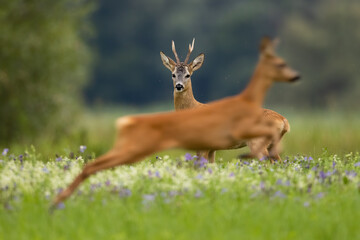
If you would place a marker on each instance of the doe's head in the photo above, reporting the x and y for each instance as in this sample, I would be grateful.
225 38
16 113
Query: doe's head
182 71
275 67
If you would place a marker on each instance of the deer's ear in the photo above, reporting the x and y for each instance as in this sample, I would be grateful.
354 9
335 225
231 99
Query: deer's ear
168 62
197 62
266 46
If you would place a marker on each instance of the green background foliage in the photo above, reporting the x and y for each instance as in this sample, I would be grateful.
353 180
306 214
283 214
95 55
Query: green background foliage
319 38
44 64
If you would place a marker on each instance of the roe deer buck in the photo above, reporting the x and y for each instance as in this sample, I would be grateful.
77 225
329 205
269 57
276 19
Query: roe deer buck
220 125
184 99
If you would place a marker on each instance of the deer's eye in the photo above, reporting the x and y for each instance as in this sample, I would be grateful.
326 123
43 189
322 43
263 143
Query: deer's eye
173 75
187 75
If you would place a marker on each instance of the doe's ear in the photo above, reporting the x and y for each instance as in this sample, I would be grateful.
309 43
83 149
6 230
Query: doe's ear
168 62
197 62
266 46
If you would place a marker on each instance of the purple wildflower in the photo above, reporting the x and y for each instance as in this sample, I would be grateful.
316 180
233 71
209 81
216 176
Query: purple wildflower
310 158
357 164
329 173
124 192
107 183
322 175
246 163
279 194
45 170
148 198
47 196
60 206
314 168
198 194
199 176
320 195
58 159
149 173
262 185
351 173
5 151
309 188
188 157
279 182
306 204
82 148
287 183
201 162
210 171
173 193
231 174
224 190
157 174
333 164
93 187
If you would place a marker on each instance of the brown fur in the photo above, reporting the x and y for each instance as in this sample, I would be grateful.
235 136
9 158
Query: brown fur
219 125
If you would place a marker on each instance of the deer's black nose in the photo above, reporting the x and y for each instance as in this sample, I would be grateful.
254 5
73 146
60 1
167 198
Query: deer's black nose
179 87
294 79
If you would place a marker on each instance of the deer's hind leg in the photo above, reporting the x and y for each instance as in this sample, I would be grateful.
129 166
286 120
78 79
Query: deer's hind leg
259 139
109 160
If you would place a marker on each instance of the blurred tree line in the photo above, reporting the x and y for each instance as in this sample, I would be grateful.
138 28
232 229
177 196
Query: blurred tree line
320 38
44 63
50 61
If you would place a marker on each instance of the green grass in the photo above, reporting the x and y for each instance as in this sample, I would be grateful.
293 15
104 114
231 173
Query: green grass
171 198
217 217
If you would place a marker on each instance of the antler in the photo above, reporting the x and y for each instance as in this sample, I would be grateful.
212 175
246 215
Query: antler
191 48
174 51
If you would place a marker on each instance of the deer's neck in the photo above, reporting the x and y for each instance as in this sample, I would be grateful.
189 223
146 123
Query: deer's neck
258 86
185 99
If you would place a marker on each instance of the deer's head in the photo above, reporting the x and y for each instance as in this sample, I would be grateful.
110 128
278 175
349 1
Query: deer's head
182 71
275 67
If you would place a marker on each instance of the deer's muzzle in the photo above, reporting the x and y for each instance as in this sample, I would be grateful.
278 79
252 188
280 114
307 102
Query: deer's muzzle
179 87
294 79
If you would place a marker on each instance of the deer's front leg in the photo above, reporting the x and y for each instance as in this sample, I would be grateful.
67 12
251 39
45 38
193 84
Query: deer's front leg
211 156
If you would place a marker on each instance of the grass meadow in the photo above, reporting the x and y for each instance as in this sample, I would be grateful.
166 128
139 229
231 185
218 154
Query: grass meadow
313 194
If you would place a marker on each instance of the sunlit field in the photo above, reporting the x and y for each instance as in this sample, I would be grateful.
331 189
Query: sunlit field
313 194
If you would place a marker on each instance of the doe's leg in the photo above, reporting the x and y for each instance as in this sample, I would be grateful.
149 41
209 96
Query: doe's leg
111 159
